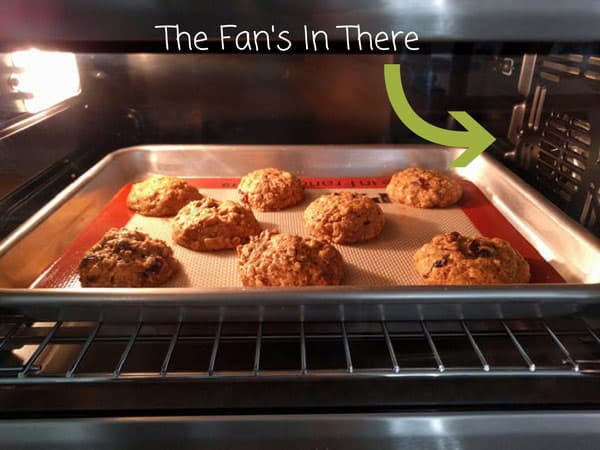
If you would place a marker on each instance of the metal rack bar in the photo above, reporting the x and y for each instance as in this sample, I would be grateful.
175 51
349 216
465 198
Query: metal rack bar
22 340
563 349
592 333
303 365
84 349
17 368
390 347
349 366
258 348
519 347
165 365
433 348
128 348
38 351
215 349
478 352
9 334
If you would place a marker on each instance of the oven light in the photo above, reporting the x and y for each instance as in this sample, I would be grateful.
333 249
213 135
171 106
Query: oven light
45 78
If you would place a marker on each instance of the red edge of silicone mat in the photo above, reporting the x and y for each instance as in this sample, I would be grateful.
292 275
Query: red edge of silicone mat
486 218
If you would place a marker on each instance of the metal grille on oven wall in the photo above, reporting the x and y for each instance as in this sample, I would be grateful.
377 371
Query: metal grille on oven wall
561 137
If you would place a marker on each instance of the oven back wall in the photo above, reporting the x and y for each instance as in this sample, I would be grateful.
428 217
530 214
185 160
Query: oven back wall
233 98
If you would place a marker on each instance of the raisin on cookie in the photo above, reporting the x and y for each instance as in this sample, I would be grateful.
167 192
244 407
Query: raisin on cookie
451 258
273 259
127 258
424 188
161 196
209 224
270 189
344 218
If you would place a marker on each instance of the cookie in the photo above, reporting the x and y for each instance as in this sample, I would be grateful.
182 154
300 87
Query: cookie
209 224
424 188
127 258
270 189
272 259
344 218
161 196
451 258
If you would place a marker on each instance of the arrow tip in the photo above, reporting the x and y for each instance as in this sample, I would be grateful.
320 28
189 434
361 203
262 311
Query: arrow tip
478 139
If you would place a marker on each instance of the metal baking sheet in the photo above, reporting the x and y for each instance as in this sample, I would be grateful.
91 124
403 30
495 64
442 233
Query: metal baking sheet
384 261
572 251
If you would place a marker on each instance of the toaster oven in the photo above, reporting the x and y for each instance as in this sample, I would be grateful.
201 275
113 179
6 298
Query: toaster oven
90 102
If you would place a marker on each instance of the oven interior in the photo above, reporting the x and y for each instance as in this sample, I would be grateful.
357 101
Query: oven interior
60 357
540 107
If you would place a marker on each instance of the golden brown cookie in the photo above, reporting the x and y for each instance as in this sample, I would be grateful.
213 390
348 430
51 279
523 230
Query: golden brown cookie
270 189
424 188
161 196
272 259
451 258
344 218
126 258
209 224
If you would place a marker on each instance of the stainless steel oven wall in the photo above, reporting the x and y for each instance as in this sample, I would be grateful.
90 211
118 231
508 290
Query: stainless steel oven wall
233 98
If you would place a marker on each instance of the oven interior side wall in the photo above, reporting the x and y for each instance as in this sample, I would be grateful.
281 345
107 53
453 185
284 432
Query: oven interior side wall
543 108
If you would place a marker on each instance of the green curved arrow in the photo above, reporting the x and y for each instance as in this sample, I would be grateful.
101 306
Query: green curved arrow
475 139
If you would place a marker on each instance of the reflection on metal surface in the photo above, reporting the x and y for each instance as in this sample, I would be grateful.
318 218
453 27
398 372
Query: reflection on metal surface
590 74
526 75
550 77
25 121
555 430
517 118
534 106
45 78
539 108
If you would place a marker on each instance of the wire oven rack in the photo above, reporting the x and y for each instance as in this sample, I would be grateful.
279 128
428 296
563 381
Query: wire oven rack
92 351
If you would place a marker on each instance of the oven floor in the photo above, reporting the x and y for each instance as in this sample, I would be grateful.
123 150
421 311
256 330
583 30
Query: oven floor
465 431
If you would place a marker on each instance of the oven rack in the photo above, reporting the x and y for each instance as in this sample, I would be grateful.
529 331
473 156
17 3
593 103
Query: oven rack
93 351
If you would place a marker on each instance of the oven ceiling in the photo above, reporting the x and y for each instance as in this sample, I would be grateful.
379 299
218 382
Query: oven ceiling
96 22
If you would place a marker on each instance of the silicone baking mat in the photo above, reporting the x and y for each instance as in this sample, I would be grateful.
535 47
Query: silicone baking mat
383 261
